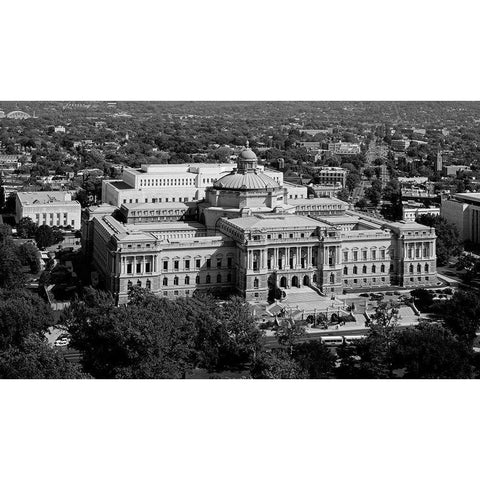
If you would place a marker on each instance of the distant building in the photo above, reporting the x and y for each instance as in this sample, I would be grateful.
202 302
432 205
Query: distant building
439 162
400 145
59 129
331 175
463 210
453 170
412 210
18 115
9 163
344 148
319 191
55 209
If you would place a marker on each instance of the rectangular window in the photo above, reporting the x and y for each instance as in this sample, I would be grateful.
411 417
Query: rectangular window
345 256
364 255
355 256
175 264
148 268
382 254
129 268
374 255
187 264
209 263
219 263
165 265
197 263
229 262
139 268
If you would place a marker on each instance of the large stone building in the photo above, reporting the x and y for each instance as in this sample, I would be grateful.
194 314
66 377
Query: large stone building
249 238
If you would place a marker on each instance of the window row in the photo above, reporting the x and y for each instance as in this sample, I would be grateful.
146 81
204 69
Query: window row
374 255
411 268
160 200
187 264
166 182
355 269
187 280
365 280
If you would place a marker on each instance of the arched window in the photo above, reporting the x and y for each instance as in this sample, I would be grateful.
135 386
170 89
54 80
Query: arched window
139 283
410 269
197 279
364 269
129 285
332 278
345 270
419 268
382 268
208 279
175 281
355 270
187 280
255 283
426 267
219 278
149 285
374 269
165 281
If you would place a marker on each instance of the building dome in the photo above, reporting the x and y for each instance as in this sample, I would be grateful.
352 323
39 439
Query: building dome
246 181
246 176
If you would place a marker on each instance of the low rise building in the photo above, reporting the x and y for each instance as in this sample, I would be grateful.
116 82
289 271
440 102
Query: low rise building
55 209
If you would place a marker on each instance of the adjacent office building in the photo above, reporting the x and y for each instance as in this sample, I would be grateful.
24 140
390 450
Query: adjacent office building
55 209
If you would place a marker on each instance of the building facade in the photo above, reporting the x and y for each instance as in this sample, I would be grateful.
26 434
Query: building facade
251 240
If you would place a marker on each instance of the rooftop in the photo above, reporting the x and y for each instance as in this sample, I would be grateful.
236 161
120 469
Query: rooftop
279 222
42 197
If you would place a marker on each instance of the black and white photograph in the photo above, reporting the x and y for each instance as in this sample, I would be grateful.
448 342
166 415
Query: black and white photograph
259 222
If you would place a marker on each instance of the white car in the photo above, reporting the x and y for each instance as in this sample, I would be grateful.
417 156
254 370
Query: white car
62 341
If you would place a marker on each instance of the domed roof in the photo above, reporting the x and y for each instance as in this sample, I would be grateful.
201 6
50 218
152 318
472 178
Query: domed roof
246 181
248 154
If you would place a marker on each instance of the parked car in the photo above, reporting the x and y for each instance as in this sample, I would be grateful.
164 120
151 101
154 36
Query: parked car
62 341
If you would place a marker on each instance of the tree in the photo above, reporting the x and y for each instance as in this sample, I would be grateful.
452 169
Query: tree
430 351
26 228
28 255
35 359
154 340
343 195
423 298
461 315
353 180
11 275
276 365
392 194
46 236
22 313
448 239
315 358
370 357
245 337
374 193
288 333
